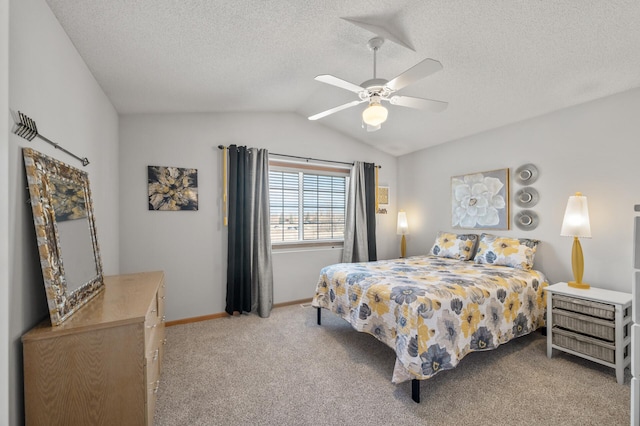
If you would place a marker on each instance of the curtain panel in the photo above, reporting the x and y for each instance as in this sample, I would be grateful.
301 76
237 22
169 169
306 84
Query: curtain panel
360 222
370 189
249 263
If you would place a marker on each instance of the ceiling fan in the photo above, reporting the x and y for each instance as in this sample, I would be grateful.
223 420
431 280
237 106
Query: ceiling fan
378 90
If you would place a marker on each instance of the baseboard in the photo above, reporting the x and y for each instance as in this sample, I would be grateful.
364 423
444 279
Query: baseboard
196 319
293 302
224 314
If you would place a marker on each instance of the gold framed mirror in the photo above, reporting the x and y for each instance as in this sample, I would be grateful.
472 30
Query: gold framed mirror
66 233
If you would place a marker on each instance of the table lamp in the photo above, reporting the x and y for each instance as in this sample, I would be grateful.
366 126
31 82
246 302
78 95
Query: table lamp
403 229
576 225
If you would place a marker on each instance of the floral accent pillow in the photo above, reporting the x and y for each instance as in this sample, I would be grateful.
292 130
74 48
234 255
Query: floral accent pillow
512 252
455 246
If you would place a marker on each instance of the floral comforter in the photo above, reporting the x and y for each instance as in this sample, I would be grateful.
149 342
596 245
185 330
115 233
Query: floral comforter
433 311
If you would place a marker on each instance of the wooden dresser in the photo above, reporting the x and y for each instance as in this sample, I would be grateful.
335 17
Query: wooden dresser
102 365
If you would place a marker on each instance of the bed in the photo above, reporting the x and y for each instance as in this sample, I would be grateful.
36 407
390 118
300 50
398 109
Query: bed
432 310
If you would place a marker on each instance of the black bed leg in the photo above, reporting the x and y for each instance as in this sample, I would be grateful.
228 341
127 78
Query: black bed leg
415 390
319 316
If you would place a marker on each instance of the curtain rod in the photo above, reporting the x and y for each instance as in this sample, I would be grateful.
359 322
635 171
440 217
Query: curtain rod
307 158
26 128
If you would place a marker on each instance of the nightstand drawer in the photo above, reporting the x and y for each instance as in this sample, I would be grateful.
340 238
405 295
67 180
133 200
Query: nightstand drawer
585 324
587 307
585 345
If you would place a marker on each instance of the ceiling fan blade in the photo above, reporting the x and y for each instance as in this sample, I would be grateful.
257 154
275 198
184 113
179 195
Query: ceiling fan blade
336 109
419 103
415 73
338 82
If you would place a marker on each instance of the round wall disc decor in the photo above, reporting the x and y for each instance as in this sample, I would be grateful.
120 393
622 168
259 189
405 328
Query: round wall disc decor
526 220
527 197
526 174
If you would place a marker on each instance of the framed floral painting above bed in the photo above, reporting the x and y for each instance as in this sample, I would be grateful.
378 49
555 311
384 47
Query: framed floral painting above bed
480 200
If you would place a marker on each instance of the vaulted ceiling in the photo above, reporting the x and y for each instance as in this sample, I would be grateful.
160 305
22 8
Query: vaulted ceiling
503 61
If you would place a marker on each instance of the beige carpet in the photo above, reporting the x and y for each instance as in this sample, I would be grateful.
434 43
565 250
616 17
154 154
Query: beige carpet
286 370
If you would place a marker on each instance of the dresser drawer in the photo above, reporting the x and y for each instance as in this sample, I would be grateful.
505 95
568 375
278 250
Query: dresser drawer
153 373
585 324
155 346
582 306
149 333
154 318
153 356
153 384
153 313
595 348
161 297
161 344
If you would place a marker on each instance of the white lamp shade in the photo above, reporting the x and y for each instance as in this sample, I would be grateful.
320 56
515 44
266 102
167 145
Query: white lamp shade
375 114
576 218
403 226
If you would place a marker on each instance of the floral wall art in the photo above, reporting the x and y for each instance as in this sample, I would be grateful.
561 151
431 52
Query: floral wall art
172 188
480 200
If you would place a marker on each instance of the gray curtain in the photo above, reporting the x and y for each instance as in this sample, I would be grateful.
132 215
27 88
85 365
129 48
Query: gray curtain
262 269
370 202
355 229
249 267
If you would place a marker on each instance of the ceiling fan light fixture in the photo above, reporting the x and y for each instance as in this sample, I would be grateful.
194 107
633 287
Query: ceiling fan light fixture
377 89
375 114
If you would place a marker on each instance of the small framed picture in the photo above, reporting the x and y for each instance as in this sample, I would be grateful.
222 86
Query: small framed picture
172 188
383 199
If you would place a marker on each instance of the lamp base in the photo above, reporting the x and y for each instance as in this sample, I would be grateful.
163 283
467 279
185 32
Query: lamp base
578 285
577 264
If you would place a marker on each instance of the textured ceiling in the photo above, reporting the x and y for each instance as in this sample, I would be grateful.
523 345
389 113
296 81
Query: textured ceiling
504 61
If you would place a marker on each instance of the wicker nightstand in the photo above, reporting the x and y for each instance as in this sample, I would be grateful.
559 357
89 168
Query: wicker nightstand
592 324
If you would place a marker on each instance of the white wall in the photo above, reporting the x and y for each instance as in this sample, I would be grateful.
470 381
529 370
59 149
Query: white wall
191 246
4 212
49 82
592 148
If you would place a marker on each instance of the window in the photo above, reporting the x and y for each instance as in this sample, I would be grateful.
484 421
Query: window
307 203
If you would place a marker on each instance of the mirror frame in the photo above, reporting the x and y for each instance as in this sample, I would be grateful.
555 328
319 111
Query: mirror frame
39 168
